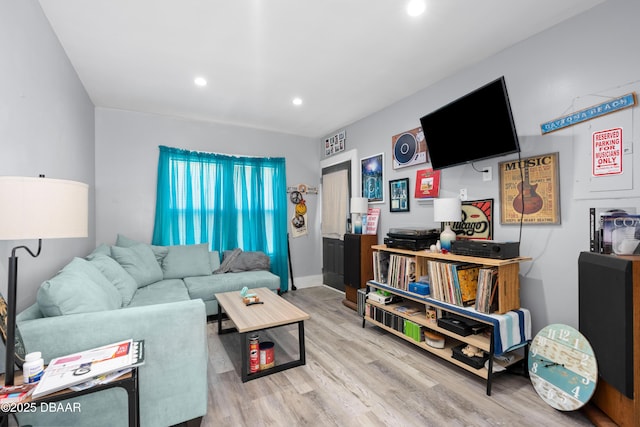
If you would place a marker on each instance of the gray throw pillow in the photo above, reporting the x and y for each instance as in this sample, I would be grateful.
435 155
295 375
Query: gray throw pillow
227 262
251 261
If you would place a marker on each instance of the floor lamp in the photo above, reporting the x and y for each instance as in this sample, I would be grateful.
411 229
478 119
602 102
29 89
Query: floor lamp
36 208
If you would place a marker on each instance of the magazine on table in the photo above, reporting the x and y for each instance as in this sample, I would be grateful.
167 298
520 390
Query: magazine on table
15 393
66 371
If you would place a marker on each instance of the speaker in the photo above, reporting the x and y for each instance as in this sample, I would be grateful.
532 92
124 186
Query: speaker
606 316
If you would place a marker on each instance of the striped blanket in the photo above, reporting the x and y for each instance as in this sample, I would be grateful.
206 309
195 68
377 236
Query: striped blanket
511 330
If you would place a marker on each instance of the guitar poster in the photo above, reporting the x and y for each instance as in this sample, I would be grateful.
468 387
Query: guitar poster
530 190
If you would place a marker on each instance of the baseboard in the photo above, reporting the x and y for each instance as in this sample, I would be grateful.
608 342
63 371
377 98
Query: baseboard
307 281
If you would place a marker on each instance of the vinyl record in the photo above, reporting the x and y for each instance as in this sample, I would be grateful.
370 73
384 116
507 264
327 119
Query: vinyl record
405 148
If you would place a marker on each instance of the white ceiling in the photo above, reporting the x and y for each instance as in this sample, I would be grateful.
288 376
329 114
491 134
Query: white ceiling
345 58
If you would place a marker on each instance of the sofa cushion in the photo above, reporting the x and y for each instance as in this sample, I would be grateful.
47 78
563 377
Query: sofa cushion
140 262
164 291
186 260
214 259
100 249
116 274
78 288
159 251
204 287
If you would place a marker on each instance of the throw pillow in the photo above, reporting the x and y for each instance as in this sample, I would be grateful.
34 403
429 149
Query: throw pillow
74 291
118 276
186 261
125 242
140 262
19 344
114 299
214 259
101 249
251 261
159 251
227 262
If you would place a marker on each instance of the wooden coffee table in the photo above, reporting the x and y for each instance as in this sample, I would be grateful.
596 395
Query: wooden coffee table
274 312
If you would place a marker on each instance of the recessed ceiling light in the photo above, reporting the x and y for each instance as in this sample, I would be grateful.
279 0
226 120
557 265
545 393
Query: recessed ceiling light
297 101
200 81
416 7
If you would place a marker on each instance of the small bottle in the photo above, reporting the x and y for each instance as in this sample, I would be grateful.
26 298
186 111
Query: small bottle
33 367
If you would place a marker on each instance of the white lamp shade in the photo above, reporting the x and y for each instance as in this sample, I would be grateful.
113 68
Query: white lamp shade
447 209
359 205
43 208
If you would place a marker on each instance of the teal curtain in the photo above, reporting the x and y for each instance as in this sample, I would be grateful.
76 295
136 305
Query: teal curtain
226 201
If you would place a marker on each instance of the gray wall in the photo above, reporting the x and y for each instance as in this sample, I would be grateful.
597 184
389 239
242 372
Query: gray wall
593 53
127 161
46 127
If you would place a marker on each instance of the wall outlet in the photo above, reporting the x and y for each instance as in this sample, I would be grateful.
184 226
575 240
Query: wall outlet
463 194
487 173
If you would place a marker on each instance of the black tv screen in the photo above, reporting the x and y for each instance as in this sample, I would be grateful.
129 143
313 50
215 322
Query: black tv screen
474 127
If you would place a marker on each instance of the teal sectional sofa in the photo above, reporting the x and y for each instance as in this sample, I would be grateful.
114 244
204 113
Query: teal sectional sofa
159 294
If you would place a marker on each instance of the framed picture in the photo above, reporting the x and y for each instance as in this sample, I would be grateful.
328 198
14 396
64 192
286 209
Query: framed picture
408 148
335 143
477 220
399 194
372 169
530 190
427 184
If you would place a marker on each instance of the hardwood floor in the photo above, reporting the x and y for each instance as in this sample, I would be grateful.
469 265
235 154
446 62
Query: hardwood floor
362 377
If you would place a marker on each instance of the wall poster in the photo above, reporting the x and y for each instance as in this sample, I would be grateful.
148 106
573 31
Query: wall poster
530 190
372 169
427 184
477 220
408 148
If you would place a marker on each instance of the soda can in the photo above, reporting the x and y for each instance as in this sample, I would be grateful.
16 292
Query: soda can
254 354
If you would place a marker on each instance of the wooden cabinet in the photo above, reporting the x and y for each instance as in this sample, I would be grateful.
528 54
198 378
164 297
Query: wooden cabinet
358 265
489 341
609 317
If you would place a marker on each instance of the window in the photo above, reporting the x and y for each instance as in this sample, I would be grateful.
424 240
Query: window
226 201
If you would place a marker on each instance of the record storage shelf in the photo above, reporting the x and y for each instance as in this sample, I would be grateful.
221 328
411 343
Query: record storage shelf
509 282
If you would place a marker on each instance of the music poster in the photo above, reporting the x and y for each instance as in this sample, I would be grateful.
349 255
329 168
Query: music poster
530 190
477 220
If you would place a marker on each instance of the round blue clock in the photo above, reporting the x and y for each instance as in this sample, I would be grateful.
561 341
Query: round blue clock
562 367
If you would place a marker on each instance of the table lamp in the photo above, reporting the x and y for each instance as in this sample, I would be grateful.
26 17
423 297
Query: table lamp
359 206
36 208
447 210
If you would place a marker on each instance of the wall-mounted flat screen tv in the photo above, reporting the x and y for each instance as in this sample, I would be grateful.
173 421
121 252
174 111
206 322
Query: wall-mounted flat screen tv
474 127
